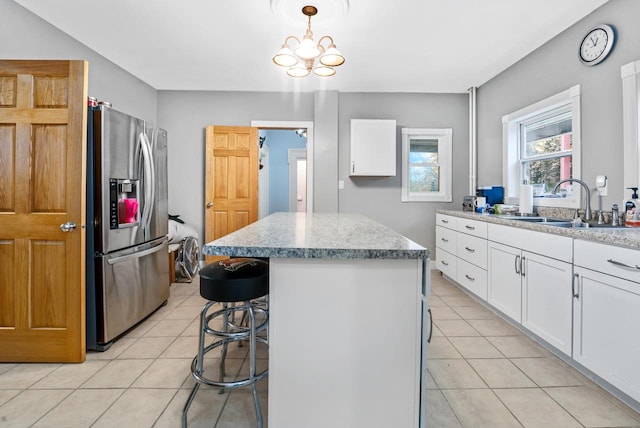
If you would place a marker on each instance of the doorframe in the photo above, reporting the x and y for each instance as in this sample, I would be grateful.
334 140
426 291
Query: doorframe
288 124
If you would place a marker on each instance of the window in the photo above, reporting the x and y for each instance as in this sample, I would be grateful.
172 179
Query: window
426 165
542 147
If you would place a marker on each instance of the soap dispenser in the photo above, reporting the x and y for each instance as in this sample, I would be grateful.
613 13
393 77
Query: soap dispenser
631 205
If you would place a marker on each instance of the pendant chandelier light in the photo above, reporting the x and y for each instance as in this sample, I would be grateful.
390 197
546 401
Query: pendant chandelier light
302 61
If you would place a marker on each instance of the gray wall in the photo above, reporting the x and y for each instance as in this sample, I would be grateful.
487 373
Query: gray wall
186 114
555 67
379 198
26 36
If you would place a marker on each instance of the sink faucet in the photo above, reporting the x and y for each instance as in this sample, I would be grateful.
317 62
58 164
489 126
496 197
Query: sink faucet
587 211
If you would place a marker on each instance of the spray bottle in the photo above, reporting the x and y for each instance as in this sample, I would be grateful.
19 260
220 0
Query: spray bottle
631 209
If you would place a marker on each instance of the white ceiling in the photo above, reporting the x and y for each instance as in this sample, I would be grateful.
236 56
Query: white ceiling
390 46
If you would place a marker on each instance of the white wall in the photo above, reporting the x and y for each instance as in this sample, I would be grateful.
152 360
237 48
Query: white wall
555 67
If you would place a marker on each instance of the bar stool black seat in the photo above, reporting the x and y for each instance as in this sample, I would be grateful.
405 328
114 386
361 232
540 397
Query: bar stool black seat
235 283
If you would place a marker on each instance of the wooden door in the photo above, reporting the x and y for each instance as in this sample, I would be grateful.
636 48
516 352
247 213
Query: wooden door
42 186
231 188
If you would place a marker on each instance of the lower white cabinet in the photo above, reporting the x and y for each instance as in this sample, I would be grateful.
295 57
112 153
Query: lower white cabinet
606 328
533 290
546 299
461 251
504 290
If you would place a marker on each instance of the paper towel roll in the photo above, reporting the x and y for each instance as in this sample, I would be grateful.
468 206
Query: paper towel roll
526 199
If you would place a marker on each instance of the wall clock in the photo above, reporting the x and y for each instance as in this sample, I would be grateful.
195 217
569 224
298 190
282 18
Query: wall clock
596 45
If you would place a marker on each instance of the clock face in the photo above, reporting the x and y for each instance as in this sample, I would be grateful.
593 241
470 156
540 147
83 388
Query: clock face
596 45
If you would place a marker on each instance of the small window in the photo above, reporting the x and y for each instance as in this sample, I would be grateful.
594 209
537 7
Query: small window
542 147
426 165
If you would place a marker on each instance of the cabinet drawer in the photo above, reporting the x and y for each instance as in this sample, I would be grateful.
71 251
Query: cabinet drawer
472 227
472 278
617 261
446 221
546 244
446 263
472 249
446 239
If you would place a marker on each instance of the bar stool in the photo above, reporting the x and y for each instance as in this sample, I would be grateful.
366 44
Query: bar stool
234 283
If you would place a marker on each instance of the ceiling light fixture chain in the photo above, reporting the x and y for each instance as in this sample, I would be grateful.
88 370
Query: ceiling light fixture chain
301 61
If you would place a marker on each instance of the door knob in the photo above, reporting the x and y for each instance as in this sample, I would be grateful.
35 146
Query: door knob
68 226
209 204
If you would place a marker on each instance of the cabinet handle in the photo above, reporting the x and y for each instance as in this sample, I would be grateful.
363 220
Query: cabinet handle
613 262
430 325
444 240
444 263
353 167
573 286
469 277
445 221
522 263
471 227
517 264
471 250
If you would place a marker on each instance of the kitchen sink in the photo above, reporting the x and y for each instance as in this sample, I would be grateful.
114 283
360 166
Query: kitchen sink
557 222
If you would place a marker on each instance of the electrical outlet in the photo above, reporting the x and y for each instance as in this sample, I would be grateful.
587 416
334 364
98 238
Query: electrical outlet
340 184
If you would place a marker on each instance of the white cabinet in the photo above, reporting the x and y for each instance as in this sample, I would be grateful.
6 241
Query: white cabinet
505 281
461 249
606 312
373 147
530 288
546 299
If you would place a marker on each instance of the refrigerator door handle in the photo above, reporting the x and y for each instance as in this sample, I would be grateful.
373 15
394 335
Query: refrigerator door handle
147 174
152 169
138 254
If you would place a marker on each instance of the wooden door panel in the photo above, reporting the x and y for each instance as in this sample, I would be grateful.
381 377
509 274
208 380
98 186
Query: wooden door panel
242 178
241 219
48 288
221 224
50 92
48 180
7 167
42 185
221 181
7 284
8 91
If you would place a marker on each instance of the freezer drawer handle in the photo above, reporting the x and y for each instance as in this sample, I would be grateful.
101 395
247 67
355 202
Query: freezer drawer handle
115 260
68 226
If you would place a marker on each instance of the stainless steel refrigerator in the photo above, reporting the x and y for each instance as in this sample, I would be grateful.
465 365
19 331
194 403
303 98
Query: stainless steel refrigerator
127 220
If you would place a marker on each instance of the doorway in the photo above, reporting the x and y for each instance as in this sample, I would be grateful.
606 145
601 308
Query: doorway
296 194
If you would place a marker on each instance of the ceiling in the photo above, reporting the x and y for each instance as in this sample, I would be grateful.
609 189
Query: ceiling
390 46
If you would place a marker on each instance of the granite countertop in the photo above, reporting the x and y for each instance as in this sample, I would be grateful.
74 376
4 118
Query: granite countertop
628 237
316 235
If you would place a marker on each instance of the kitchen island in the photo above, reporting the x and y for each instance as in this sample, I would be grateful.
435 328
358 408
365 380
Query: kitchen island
346 319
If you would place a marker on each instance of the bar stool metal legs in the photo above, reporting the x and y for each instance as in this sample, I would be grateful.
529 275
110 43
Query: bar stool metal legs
229 332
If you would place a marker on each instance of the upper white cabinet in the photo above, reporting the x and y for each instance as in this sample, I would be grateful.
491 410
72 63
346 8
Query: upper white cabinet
373 147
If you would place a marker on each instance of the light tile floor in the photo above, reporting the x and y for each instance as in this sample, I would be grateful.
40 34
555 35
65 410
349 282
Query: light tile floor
482 372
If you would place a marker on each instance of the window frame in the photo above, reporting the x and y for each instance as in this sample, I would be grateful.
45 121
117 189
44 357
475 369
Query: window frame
565 101
444 136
